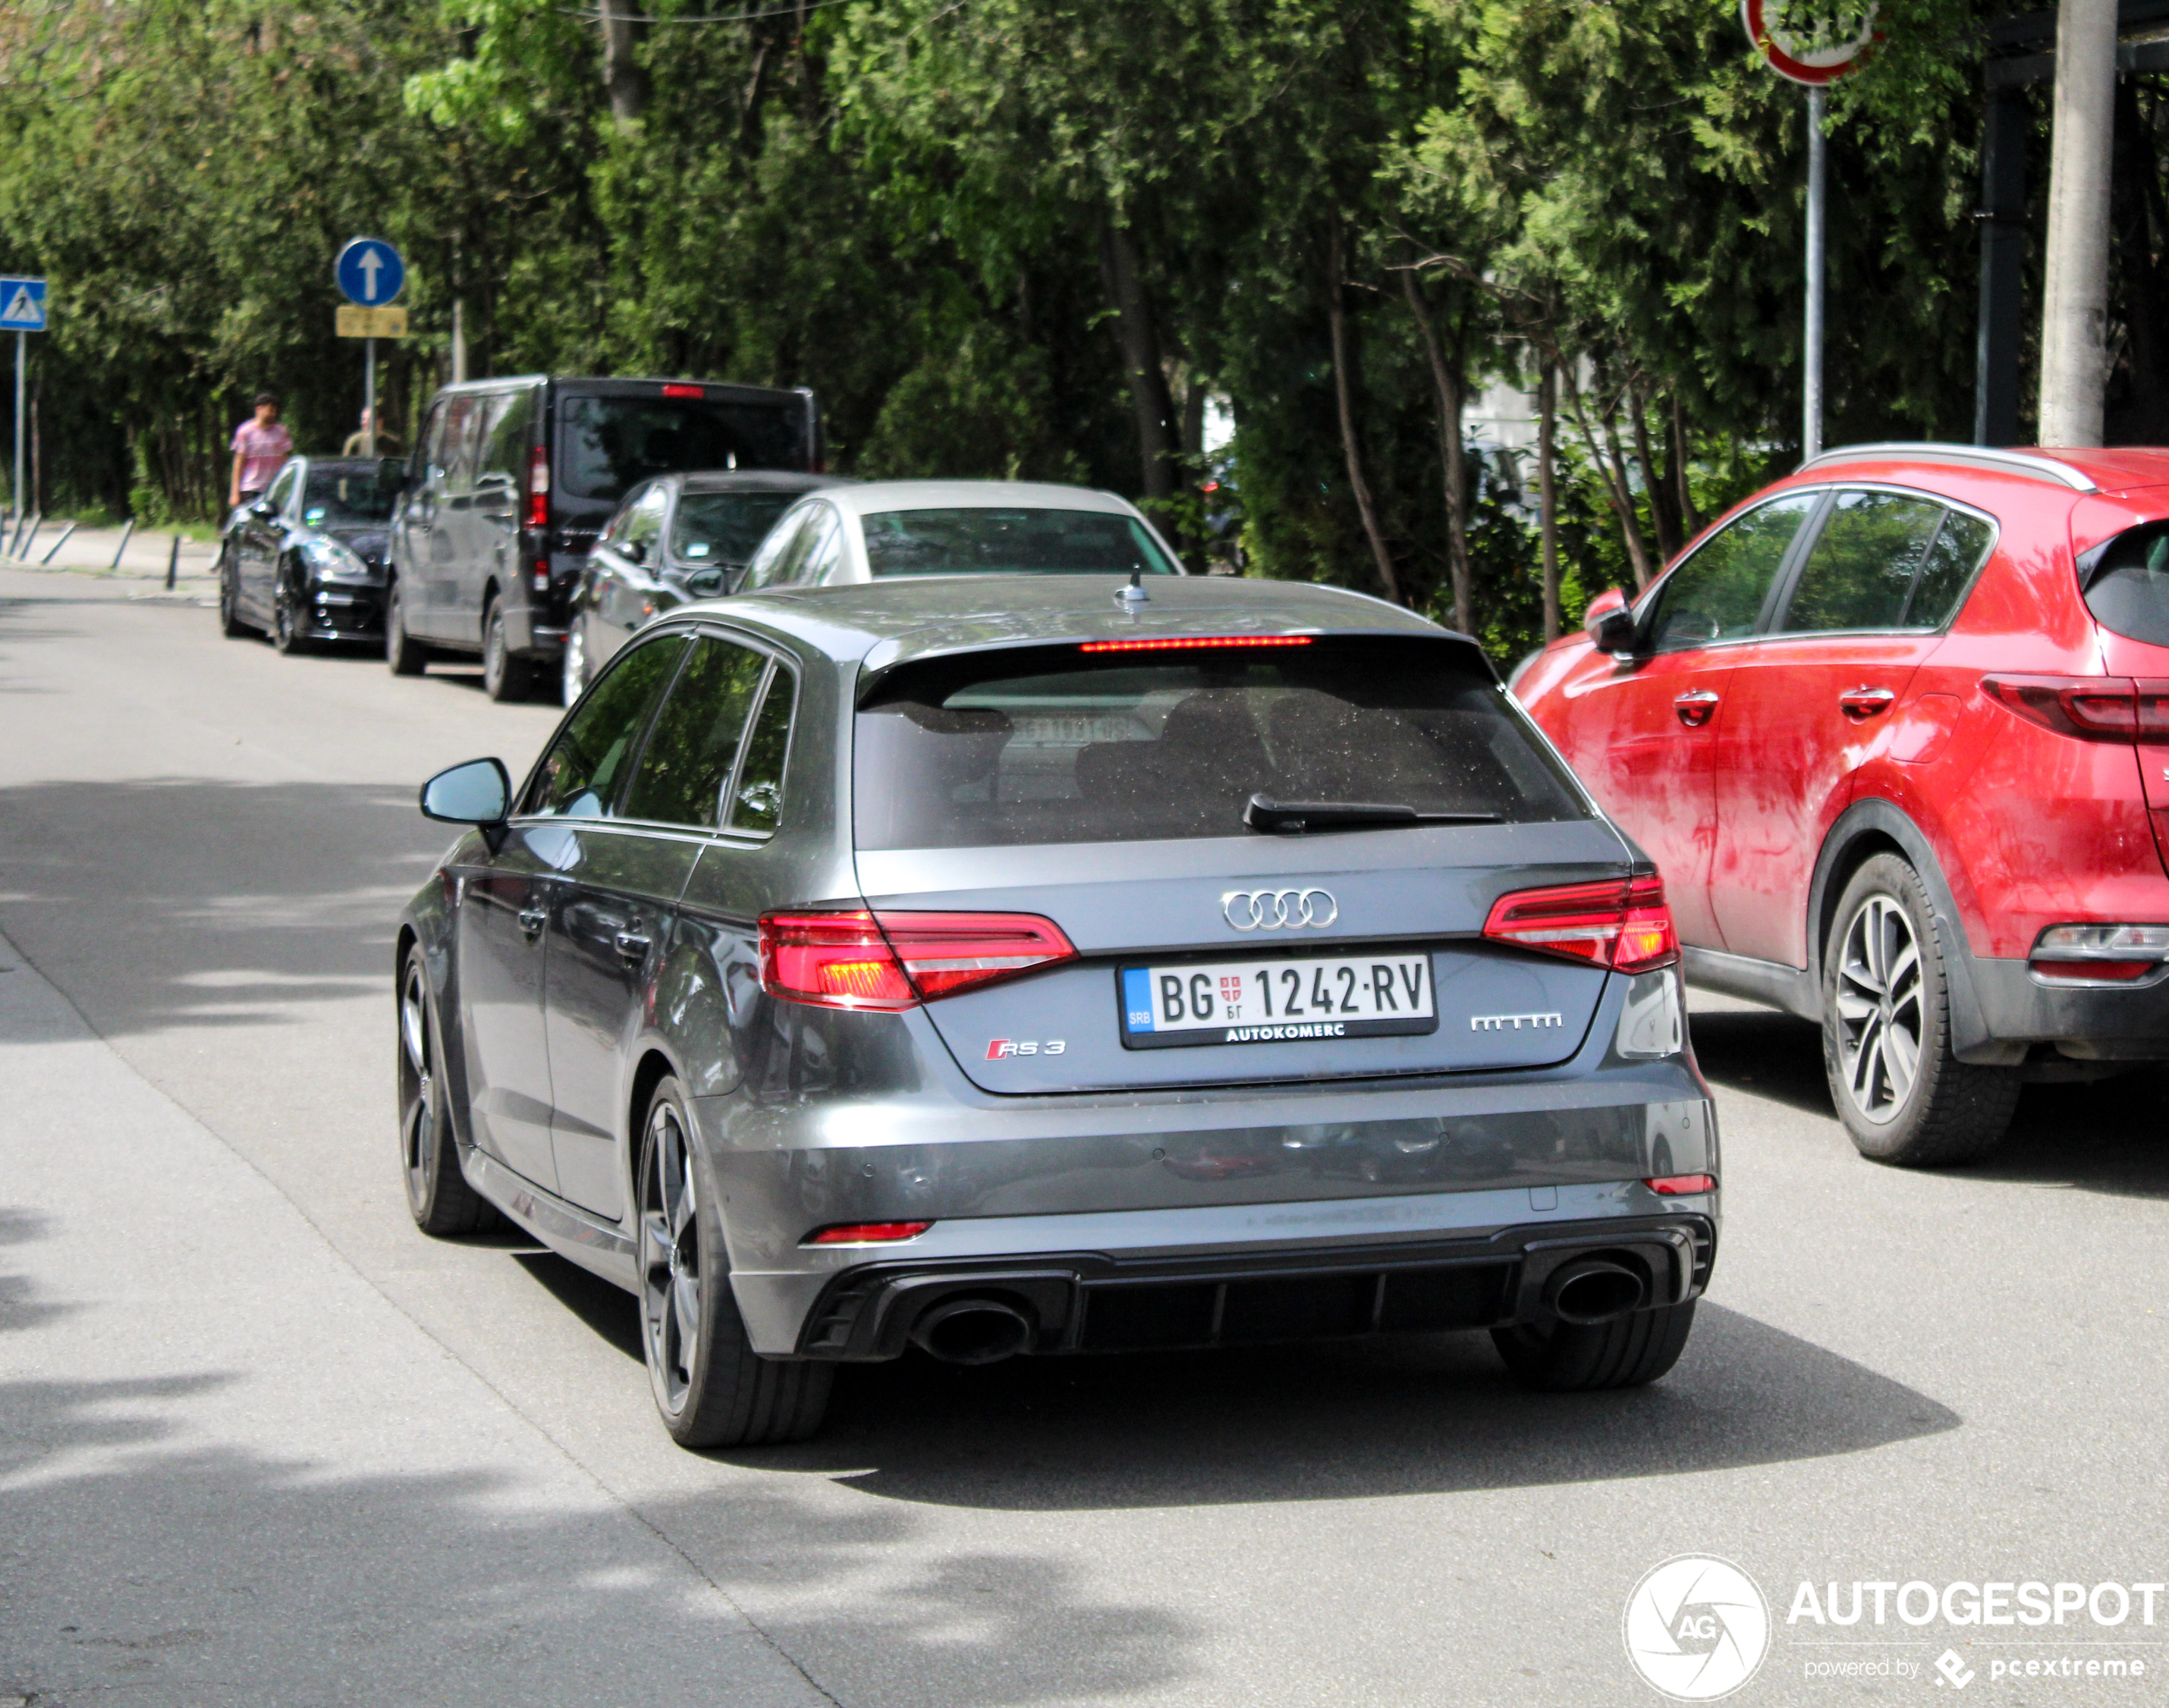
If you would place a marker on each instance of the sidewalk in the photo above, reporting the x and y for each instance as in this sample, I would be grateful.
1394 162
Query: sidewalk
91 550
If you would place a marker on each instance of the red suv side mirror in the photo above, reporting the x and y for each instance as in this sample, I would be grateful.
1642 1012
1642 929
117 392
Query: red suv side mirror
1609 623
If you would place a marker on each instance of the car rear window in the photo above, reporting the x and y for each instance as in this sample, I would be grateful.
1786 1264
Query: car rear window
1058 746
608 444
946 542
724 527
2127 583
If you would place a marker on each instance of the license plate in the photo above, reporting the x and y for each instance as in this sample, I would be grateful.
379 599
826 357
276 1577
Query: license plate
1277 1002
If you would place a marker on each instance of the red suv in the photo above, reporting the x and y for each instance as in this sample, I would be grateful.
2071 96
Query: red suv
1895 731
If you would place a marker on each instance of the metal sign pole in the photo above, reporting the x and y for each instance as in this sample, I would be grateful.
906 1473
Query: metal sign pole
1818 208
369 397
22 358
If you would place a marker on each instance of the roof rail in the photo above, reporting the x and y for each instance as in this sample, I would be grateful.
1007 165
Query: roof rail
2029 464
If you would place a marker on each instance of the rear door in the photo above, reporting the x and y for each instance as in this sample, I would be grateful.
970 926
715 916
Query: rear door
1108 795
1818 695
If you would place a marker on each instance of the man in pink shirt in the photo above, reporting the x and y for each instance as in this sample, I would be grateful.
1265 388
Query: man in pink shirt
259 448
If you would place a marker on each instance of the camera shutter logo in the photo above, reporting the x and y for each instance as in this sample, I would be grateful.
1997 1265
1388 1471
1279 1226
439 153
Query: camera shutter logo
1697 1627
1279 909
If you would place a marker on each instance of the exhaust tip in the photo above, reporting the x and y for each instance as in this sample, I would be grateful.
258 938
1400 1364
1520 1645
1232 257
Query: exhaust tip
1595 1290
973 1331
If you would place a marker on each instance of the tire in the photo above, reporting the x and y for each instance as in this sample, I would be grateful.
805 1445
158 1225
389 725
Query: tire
1627 1352
711 1388
406 656
504 674
438 1196
1904 1099
230 623
288 625
575 663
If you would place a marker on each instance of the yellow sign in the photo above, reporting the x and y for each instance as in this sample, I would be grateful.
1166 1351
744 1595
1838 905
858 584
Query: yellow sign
372 323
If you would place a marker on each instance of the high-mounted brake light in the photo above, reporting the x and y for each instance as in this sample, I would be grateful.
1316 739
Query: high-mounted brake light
1682 1185
865 1233
1622 923
2090 708
538 488
1190 643
685 391
889 961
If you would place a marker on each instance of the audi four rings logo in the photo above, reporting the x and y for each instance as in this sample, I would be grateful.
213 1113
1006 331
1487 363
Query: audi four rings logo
1279 909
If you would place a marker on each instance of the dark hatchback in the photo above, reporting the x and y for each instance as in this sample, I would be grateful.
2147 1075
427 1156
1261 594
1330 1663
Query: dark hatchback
995 964
510 482
676 538
306 562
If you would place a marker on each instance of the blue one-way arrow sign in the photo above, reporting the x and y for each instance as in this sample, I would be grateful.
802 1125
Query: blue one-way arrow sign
22 305
369 272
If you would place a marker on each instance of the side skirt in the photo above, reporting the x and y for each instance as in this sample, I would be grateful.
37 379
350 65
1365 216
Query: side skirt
1790 989
567 1230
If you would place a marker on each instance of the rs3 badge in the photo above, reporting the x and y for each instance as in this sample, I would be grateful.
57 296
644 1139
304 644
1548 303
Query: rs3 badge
998 1048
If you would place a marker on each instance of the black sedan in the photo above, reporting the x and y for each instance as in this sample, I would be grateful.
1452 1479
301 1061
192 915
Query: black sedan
305 562
675 538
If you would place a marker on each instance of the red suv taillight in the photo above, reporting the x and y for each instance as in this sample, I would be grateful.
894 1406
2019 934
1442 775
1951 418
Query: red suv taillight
538 488
1622 923
2091 707
899 960
2100 953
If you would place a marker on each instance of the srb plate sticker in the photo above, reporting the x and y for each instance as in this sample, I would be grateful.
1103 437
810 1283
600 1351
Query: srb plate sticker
1277 1002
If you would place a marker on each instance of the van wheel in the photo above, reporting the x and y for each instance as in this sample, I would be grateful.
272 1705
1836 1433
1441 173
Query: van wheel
406 656
1569 1358
712 1388
504 674
1904 1099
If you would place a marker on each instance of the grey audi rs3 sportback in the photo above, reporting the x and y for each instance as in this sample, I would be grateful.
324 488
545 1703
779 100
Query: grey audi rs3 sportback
1003 964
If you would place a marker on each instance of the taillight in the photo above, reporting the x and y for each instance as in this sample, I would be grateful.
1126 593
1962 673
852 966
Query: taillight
1682 1185
2090 708
1622 923
865 1233
897 960
538 488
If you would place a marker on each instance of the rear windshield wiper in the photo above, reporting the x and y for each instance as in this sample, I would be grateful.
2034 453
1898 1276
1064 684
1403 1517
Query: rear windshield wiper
1296 817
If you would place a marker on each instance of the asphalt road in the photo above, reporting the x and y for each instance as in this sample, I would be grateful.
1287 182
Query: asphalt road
262 1443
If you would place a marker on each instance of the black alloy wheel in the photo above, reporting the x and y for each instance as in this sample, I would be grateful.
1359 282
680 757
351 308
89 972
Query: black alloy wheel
712 1388
1903 1095
230 623
290 620
504 674
438 1196
406 656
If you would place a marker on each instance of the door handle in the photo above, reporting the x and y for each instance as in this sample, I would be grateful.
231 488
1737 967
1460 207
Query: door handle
1696 707
532 920
1862 703
632 946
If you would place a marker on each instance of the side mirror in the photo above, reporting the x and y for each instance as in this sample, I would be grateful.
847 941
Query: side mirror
261 511
391 476
1609 623
633 550
477 792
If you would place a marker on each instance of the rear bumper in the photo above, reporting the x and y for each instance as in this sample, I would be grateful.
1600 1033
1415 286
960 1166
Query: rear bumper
2128 1023
1134 1301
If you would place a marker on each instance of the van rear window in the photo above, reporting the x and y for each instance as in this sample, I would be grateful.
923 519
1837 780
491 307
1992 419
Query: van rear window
2127 583
1057 746
607 444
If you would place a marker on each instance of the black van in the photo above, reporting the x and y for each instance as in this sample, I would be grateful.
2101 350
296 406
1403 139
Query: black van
511 481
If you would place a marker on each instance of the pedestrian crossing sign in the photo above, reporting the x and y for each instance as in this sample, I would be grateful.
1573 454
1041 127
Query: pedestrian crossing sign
22 305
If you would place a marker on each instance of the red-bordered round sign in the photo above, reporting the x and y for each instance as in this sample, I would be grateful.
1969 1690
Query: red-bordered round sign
1818 53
